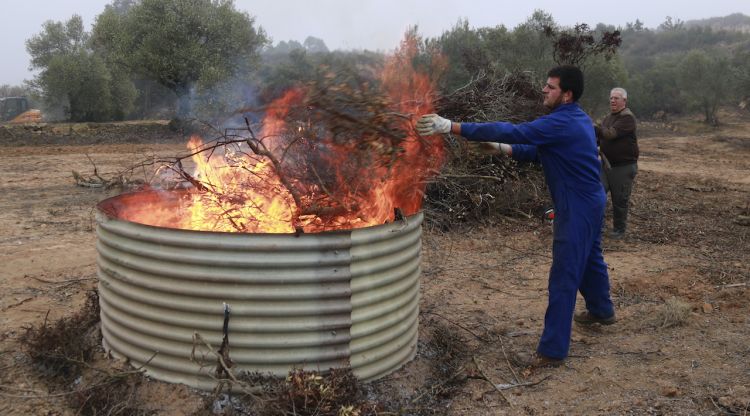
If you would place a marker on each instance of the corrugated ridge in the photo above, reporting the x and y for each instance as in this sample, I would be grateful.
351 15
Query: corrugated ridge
251 256
385 296
212 321
218 273
239 354
186 371
334 240
266 299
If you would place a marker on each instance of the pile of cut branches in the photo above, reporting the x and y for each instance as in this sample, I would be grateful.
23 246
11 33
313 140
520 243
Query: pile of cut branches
336 392
474 187
62 352
492 96
58 349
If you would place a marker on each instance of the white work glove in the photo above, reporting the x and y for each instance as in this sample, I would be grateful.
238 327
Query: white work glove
431 124
493 148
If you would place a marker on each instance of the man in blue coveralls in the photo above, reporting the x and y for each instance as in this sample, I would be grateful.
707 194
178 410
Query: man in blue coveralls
565 144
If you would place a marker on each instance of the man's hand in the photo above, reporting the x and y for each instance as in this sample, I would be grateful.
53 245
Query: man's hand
493 148
431 124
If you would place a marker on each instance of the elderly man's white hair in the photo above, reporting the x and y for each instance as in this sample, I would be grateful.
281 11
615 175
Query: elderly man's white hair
621 91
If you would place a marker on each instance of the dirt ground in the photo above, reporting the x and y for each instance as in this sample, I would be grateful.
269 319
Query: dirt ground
679 281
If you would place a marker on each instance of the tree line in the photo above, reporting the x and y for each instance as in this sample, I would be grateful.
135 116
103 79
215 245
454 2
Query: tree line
204 58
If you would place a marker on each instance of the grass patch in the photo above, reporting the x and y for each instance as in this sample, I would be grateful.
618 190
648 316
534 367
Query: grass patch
672 313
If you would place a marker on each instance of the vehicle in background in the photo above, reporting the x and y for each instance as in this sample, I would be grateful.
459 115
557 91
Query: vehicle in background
16 110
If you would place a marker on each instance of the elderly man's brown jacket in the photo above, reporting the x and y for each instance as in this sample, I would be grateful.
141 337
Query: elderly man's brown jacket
617 138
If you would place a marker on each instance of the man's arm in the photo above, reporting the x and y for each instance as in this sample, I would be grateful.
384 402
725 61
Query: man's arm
542 131
519 152
525 153
456 128
622 127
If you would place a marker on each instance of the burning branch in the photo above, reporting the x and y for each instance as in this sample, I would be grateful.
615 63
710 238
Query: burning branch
352 110
260 149
337 152
301 135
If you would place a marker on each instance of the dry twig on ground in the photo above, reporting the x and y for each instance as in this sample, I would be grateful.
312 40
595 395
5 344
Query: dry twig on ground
121 179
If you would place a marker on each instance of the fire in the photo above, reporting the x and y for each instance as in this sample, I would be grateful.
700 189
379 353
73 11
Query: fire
412 92
291 181
261 205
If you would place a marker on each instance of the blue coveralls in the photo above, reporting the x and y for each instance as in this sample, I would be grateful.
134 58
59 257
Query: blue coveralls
565 144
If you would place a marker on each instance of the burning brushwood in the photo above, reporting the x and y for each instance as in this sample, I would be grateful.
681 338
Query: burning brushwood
340 152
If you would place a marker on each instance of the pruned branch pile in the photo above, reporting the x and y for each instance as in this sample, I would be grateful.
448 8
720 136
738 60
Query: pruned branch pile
493 96
337 393
59 348
63 353
474 187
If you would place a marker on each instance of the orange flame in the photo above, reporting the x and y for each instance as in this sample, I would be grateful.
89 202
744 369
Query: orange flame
263 204
243 192
412 91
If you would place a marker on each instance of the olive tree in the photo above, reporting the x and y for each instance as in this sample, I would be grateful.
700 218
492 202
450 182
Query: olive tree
181 44
706 81
741 68
73 78
601 75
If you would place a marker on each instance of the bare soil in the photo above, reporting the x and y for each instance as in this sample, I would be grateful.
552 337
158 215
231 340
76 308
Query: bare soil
679 280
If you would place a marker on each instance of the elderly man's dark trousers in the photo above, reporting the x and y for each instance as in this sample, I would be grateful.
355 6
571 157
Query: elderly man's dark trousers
618 181
577 265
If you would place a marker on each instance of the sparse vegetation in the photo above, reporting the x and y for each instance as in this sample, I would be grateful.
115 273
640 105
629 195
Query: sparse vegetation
63 353
674 312
61 349
307 393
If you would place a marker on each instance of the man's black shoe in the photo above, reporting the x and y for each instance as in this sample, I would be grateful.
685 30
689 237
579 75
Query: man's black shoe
617 234
536 360
586 318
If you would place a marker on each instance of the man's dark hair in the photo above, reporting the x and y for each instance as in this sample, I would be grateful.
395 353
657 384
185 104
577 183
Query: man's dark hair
571 79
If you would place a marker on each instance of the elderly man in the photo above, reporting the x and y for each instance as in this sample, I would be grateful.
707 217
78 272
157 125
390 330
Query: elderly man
564 142
619 145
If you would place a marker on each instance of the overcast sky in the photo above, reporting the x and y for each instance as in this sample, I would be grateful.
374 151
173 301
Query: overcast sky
362 24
